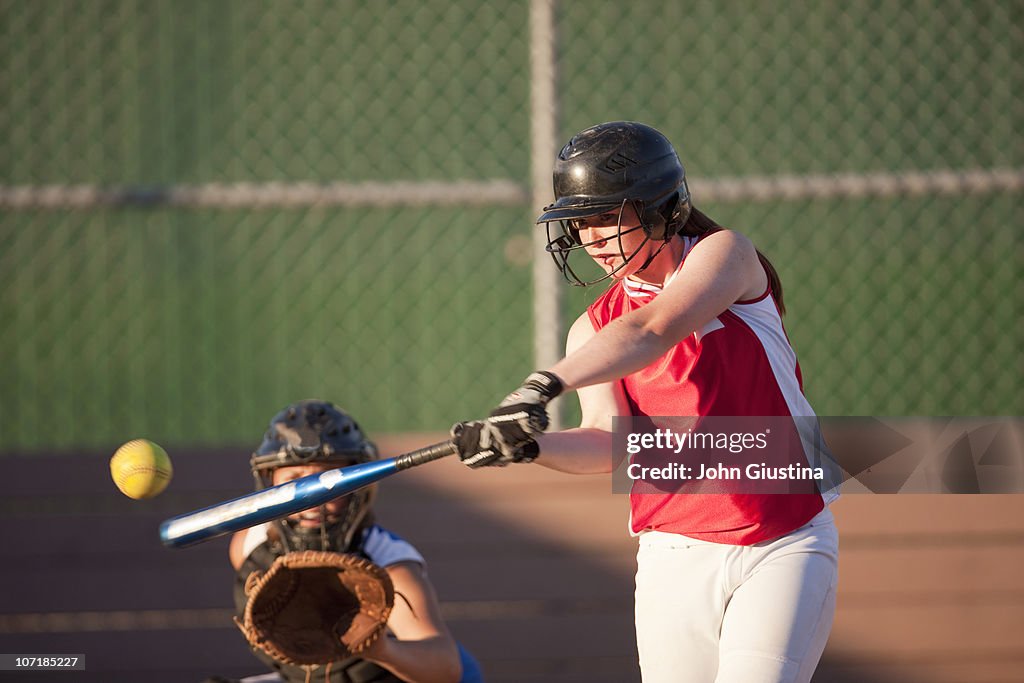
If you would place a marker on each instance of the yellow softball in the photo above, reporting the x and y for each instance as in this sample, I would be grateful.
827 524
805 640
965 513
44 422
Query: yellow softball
141 469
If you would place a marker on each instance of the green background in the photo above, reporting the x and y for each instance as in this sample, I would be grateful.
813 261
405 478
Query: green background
194 325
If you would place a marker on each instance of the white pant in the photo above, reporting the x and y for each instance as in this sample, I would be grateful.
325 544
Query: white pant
708 612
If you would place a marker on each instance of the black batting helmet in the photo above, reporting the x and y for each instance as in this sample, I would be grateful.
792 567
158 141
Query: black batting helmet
604 167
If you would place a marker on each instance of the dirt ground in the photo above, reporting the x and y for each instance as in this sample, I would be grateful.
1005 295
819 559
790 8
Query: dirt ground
534 570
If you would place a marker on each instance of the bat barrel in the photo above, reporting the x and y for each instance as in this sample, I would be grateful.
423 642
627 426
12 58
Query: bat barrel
288 498
272 503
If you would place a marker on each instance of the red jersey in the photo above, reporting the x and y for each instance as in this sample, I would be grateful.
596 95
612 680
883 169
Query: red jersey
738 364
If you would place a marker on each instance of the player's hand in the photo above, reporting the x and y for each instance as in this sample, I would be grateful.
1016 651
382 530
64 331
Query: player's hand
507 433
485 444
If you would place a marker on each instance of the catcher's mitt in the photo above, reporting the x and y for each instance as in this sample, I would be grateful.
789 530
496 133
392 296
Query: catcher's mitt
315 607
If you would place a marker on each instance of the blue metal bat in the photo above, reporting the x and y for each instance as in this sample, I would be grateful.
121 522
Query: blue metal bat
288 498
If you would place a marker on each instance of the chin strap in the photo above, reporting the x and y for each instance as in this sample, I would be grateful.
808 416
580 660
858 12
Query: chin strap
653 256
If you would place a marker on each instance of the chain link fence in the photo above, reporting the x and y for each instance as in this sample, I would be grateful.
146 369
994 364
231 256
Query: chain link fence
210 210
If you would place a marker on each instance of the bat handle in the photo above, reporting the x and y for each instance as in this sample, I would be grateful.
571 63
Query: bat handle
425 454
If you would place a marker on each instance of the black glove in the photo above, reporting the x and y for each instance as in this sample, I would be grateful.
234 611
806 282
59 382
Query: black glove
507 433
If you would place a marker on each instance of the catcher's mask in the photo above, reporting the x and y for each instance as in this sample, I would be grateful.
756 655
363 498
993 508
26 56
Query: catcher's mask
314 431
601 170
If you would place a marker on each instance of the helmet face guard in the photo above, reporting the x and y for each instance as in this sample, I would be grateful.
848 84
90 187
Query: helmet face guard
313 432
601 169
563 246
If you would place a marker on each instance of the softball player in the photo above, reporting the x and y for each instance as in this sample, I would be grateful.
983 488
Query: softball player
729 588
310 437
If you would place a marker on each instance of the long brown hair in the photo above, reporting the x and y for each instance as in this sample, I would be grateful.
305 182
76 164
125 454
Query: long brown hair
699 223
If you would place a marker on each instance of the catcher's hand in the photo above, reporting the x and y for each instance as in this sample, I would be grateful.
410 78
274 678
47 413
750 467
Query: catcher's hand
507 433
315 607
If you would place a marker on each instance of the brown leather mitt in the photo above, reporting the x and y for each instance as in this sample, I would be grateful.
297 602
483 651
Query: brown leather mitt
316 607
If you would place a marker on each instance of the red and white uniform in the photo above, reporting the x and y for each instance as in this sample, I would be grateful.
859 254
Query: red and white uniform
738 364
730 588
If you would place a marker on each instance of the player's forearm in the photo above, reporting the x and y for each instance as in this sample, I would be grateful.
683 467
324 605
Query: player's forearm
432 660
576 451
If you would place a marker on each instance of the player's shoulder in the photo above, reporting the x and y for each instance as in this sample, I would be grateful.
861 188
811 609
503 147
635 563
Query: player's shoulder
244 542
237 548
726 257
580 331
384 547
723 239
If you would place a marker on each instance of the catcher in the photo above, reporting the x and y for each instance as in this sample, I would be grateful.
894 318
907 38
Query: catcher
327 594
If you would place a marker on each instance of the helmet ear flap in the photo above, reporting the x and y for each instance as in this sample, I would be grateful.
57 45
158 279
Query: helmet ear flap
652 220
667 219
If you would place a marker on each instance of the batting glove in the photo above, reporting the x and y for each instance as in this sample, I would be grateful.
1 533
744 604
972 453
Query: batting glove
481 445
507 433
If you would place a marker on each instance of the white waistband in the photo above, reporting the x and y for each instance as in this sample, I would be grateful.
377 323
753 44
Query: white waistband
665 539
